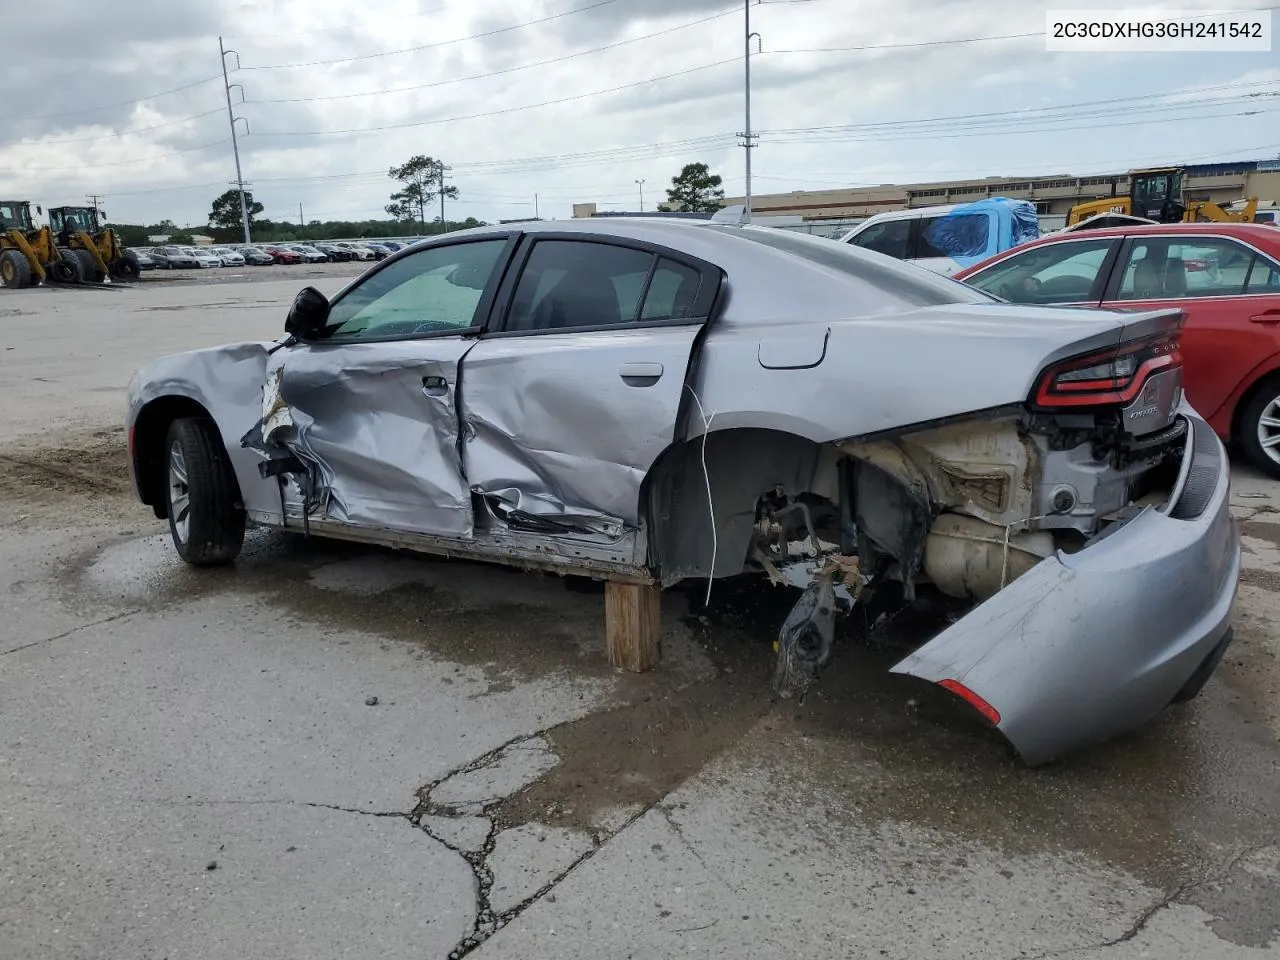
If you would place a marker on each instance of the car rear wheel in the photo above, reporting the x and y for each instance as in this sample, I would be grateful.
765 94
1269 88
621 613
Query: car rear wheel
1260 429
205 520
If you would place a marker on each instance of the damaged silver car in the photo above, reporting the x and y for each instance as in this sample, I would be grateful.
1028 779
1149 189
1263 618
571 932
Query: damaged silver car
663 400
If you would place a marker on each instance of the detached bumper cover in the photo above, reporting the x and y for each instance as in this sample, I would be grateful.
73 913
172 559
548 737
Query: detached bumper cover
1087 646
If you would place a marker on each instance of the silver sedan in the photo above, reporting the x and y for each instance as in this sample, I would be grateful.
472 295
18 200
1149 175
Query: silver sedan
657 400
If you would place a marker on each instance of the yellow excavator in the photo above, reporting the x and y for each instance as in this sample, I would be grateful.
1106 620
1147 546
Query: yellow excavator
95 248
28 254
1156 194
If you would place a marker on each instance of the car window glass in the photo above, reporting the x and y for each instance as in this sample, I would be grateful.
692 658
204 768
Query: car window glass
954 235
577 283
436 289
1264 276
673 292
1054 273
1164 268
889 237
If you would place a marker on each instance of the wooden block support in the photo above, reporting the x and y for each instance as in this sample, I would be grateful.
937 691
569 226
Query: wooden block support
633 624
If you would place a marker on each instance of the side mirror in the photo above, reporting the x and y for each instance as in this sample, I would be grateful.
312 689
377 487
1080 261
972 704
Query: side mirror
39 209
308 315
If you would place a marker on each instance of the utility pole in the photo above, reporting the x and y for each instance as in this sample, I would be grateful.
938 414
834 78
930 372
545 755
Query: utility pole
301 222
535 207
442 169
748 138
235 144
95 200
641 185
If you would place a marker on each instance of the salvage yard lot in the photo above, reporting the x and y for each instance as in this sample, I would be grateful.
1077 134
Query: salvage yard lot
195 765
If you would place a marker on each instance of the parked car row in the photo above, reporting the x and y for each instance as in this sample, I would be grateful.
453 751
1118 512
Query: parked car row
174 257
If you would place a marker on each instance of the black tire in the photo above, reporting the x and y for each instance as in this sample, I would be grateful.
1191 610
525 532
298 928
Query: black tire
127 267
1267 396
66 270
208 526
15 271
89 272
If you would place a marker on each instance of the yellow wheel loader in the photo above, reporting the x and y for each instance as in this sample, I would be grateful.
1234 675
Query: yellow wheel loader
28 254
1156 194
96 249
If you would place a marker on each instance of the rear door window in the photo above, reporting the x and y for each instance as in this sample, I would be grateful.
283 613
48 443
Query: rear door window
890 237
1174 268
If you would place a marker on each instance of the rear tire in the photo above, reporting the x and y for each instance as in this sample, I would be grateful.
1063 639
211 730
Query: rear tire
1260 429
89 272
127 267
206 521
15 271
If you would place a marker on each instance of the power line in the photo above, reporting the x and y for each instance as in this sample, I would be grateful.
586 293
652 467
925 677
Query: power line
439 43
125 163
505 110
1005 130
123 133
1020 114
509 70
122 103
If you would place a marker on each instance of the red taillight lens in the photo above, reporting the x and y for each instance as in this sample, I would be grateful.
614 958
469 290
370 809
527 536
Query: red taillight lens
975 701
1110 377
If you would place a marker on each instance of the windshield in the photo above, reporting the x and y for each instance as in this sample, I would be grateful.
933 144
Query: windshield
14 216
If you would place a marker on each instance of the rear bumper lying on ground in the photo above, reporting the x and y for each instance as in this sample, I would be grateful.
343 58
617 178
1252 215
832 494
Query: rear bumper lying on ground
1088 645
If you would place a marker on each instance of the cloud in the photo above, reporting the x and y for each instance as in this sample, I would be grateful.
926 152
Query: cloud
140 84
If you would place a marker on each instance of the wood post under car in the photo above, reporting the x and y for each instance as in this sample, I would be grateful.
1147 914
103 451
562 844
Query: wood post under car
633 624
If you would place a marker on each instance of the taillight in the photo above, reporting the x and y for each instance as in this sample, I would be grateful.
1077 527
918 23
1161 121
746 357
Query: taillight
975 701
1109 377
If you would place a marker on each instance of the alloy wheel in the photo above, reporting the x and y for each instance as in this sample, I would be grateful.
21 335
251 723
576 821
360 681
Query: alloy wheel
1269 429
179 493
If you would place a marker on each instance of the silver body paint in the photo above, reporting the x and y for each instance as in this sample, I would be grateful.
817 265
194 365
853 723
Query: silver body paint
464 444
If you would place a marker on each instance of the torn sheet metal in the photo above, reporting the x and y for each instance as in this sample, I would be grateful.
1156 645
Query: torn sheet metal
375 427
540 513
573 421
227 382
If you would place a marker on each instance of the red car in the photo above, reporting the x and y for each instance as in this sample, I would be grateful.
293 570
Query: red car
283 254
1224 276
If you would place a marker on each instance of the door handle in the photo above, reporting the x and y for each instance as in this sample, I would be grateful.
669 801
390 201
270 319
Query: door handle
435 386
1267 317
640 374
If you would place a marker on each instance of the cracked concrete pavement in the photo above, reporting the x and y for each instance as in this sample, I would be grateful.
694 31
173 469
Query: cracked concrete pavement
190 767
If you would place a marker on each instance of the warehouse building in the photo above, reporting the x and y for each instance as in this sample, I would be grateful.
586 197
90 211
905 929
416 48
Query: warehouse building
1052 195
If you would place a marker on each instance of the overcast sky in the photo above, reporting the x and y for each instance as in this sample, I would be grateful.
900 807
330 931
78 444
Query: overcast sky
334 96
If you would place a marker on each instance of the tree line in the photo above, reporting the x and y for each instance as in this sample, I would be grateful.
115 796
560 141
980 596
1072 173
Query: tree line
422 181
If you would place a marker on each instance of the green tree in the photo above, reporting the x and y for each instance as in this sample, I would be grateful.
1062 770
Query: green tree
695 189
420 180
226 210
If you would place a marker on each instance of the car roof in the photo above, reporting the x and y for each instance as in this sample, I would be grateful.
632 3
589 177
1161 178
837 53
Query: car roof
1242 230
764 266
1256 234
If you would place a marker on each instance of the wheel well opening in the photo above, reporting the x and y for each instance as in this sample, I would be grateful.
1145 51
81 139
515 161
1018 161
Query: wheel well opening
1267 380
692 535
149 432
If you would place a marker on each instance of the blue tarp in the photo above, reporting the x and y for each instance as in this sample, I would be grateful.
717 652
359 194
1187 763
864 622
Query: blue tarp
967 236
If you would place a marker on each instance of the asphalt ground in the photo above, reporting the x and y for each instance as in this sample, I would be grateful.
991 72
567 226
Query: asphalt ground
192 763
